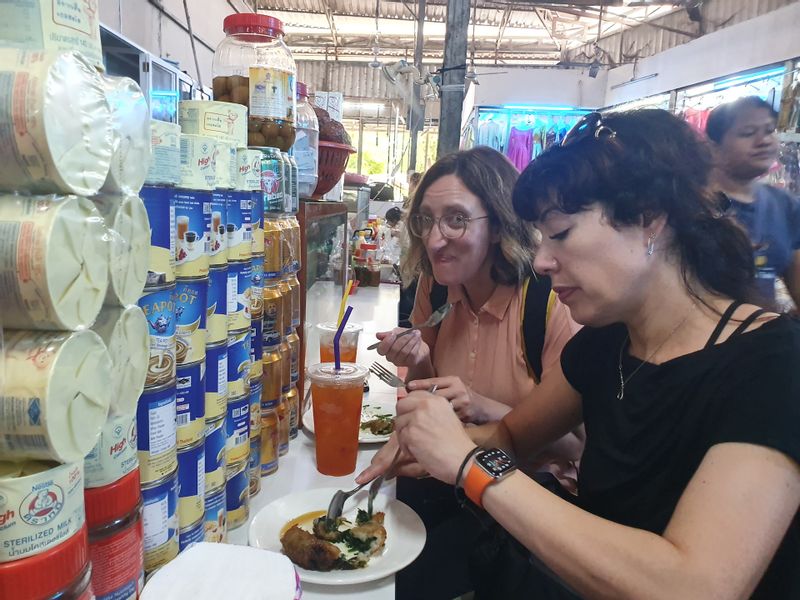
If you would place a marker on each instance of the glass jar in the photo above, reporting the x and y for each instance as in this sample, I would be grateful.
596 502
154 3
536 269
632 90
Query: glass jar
254 67
306 145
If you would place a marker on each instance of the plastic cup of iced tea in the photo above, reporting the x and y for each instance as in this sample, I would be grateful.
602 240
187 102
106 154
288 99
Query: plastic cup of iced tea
348 343
336 401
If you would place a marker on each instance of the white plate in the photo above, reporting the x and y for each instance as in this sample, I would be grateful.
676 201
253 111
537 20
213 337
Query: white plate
368 411
405 533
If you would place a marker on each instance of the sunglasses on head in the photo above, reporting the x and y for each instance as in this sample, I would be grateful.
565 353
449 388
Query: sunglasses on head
589 126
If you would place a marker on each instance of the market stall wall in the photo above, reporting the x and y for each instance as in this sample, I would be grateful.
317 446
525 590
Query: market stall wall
731 50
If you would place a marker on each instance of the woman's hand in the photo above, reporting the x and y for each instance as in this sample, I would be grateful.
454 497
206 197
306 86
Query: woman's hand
407 351
470 406
429 430
405 466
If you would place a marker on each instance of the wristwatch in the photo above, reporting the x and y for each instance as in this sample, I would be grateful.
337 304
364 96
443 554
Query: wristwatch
488 467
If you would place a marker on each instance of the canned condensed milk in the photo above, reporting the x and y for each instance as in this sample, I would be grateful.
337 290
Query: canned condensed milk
156 434
255 408
41 505
114 456
53 407
158 306
237 494
190 315
191 484
160 206
237 429
189 536
217 306
160 519
257 210
215 456
239 364
257 287
198 167
219 239
225 121
165 159
191 403
216 519
216 381
193 232
239 228
240 283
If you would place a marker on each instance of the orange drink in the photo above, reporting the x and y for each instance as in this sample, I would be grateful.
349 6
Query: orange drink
336 400
348 344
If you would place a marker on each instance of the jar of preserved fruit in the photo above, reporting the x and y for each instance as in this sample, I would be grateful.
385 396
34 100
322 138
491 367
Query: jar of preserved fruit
254 67
306 146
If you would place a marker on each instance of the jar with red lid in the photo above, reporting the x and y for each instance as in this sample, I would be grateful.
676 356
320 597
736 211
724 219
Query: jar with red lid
62 572
254 67
116 538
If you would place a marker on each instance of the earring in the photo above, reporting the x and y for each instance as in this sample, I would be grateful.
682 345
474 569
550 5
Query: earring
651 245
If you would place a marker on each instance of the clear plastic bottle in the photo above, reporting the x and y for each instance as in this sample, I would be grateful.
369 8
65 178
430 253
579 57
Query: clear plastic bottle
306 145
254 67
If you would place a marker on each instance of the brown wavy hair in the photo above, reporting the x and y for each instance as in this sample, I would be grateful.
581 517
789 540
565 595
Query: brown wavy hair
491 177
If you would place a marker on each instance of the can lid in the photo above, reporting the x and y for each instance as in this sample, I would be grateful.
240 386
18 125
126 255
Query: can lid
302 90
45 575
252 23
109 503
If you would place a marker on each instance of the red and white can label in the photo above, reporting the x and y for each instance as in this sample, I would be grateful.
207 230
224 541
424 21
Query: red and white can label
118 564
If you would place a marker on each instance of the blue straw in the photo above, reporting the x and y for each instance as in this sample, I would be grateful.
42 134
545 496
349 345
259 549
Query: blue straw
336 353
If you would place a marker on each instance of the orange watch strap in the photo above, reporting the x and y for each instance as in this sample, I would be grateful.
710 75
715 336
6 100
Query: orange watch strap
476 482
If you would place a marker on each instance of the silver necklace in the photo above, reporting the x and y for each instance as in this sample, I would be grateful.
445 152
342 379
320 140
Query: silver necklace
623 380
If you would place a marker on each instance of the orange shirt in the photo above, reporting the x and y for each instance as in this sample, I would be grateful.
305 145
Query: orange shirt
485 349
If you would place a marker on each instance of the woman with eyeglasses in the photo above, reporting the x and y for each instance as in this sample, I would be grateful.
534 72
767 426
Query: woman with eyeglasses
690 481
746 146
503 335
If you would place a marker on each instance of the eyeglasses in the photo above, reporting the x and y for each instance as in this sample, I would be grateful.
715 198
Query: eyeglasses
451 226
590 126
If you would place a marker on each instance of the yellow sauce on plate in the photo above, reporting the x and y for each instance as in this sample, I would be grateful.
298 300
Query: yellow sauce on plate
304 521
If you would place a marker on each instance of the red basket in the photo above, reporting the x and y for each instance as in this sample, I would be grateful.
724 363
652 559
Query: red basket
332 164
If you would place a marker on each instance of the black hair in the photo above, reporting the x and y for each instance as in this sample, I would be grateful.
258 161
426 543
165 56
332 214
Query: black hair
393 215
656 165
723 117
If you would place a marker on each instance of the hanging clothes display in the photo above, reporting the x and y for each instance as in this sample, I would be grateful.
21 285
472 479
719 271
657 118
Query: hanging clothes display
491 133
520 147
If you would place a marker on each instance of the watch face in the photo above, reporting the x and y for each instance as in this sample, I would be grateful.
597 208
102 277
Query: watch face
495 462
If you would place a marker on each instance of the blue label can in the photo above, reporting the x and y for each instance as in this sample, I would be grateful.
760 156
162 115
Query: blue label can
239 227
191 404
255 409
191 298
254 465
257 287
193 227
215 440
217 306
194 534
257 218
155 434
160 521
192 484
239 364
216 520
216 380
159 309
237 494
237 428
160 206
240 284
219 238
256 349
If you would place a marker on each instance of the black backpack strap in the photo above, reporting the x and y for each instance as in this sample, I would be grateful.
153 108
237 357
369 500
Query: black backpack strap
438 296
537 303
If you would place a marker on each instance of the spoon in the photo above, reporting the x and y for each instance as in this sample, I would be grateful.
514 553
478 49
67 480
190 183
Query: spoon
435 318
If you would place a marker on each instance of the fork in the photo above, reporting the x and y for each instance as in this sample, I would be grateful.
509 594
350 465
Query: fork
432 321
386 376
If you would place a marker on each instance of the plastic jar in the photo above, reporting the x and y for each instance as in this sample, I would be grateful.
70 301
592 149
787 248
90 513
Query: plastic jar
254 67
306 145
116 537
61 572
